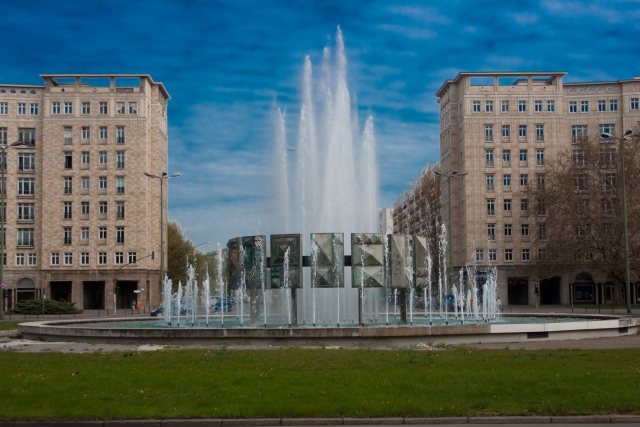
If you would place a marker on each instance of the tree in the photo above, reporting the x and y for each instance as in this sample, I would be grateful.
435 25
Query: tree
181 253
575 208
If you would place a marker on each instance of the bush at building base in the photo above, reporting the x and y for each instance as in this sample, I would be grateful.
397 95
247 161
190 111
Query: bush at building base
34 306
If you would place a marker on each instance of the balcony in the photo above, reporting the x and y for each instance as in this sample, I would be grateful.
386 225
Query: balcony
539 138
491 187
68 190
66 240
30 143
489 163
119 190
119 240
68 140
120 165
120 215
120 140
491 212
67 215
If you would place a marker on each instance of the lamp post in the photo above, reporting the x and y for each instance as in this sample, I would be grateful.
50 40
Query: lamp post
627 272
3 166
162 177
449 176
115 280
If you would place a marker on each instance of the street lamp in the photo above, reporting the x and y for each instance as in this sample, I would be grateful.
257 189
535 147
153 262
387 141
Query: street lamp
162 179
115 280
449 176
3 166
624 213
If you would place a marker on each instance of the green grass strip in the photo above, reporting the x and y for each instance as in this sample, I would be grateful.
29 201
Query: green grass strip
323 383
9 325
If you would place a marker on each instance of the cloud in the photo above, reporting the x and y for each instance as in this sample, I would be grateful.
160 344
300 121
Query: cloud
524 18
409 31
418 13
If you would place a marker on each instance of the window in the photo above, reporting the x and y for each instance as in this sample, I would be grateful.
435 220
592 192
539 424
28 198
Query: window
119 159
579 133
68 185
4 108
491 232
488 155
26 186
3 161
102 258
573 106
84 233
102 208
508 228
27 135
26 212
608 129
493 255
491 207
119 257
104 109
68 107
607 207
607 157
488 107
479 254
55 258
526 255
103 132
506 180
602 105
133 108
3 136
539 132
488 133
580 183
85 182
490 186
33 259
55 108
68 135
525 229
579 158
120 185
524 179
505 106
22 111
613 105
542 231
506 156
540 179
25 236
609 181
84 208
68 258
66 235
86 132
537 106
119 234
68 160
86 157
84 258
102 182
508 254
102 157
120 210
26 162
551 106
120 134
523 155
522 130
540 156
634 103
584 106
86 108
20 259
524 205
102 233
507 205
522 106
476 106
120 108
132 257
506 131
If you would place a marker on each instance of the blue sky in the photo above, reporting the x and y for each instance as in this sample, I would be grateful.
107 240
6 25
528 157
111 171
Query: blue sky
227 64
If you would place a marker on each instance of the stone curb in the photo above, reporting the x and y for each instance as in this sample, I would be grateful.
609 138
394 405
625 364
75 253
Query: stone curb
268 422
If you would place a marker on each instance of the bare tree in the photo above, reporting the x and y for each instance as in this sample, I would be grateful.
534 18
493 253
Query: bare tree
575 208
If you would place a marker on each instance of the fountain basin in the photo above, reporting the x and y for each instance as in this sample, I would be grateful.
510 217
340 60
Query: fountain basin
99 331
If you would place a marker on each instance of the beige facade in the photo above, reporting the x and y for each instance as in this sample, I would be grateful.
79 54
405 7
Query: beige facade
80 213
500 128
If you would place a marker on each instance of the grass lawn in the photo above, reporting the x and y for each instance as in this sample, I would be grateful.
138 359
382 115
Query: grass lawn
9 325
327 383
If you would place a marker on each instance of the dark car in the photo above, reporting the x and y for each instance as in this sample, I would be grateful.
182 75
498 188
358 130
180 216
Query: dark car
160 312
226 303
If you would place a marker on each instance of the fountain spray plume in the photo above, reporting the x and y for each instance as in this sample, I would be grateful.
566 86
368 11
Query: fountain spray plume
280 179
220 282
168 296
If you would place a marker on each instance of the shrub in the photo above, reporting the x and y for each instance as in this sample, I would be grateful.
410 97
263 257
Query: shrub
34 306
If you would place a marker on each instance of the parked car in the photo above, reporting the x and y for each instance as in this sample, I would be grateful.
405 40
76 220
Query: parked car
225 303
160 312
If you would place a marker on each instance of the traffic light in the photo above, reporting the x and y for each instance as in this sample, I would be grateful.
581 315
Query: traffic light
537 290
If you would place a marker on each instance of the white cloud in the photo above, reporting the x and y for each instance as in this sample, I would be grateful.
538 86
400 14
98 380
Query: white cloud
424 14
524 18
409 31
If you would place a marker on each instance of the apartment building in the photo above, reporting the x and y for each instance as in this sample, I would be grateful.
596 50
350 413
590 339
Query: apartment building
80 213
500 128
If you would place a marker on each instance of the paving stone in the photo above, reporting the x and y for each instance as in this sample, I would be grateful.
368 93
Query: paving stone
312 421
373 421
436 420
250 422
510 420
625 418
79 423
582 419
132 423
210 422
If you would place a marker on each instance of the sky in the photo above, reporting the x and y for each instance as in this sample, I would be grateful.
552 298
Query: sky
229 64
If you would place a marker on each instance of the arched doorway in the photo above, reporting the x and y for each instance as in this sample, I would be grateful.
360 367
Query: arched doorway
25 289
583 289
